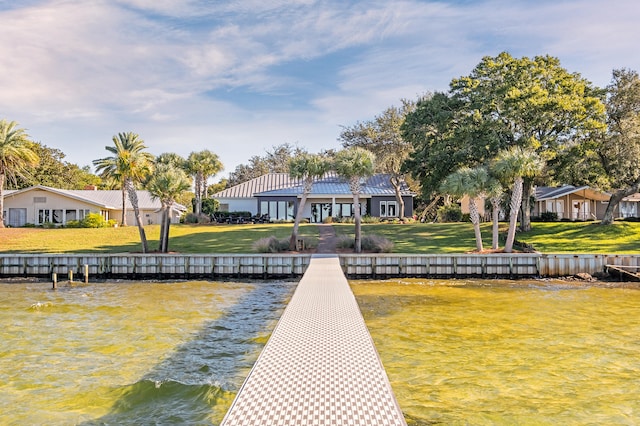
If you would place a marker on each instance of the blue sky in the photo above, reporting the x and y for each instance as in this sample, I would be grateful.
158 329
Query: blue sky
240 77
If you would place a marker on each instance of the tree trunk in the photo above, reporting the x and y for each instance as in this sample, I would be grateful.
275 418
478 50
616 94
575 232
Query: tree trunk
395 182
198 191
133 197
358 223
475 220
495 218
2 179
166 224
123 222
162 230
516 199
296 223
525 206
615 199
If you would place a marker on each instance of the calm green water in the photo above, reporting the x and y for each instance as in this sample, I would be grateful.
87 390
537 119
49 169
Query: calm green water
491 353
130 353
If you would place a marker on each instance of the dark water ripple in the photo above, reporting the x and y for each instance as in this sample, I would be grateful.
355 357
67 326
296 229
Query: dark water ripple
208 369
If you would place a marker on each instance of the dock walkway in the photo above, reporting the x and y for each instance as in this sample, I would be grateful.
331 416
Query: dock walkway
320 366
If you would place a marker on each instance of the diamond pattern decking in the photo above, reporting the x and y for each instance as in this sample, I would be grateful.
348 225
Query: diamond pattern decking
320 366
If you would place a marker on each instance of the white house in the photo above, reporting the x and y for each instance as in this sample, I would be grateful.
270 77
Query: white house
278 196
38 205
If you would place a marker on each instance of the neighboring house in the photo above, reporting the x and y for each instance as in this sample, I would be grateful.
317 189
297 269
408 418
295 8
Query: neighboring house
277 195
629 206
570 202
41 204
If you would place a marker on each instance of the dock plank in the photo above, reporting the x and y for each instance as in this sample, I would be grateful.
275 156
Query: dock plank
320 366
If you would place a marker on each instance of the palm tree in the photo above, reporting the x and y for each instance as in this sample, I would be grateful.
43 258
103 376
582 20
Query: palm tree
495 192
516 164
172 159
130 165
16 155
166 184
472 183
202 165
355 164
306 167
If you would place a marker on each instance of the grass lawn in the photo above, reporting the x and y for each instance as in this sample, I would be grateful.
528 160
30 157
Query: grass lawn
547 237
183 238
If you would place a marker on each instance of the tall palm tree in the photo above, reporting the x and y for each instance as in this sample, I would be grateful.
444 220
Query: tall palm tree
355 164
202 165
307 167
16 155
495 192
516 164
472 183
130 165
166 184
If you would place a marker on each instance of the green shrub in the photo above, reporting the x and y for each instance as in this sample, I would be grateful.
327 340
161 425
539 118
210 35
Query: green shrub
194 218
343 219
549 217
450 213
376 244
631 219
369 243
270 245
93 220
370 219
73 224
345 242
209 206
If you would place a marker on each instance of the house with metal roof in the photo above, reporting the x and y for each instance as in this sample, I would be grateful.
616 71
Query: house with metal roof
40 205
278 196
581 203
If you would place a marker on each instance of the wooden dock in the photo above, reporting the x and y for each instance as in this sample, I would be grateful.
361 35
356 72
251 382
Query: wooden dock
625 272
320 366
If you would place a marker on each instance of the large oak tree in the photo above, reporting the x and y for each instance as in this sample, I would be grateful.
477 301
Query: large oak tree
533 103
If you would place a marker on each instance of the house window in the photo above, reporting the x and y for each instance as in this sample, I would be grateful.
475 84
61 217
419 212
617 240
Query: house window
290 208
82 214
273 210
344 210
278 210
388 209
44 216
70 215
56 216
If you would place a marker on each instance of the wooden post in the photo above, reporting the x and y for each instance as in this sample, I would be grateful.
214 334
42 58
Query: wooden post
70 275
54 278
86 274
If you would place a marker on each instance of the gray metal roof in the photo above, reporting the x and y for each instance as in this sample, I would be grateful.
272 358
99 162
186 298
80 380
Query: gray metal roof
109 199
280 184
267 182
543 193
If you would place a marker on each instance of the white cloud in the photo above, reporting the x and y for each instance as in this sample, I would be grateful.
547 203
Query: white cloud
76 72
